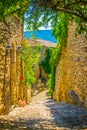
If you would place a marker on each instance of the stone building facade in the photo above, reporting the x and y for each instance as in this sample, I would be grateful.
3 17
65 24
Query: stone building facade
71 72
11 68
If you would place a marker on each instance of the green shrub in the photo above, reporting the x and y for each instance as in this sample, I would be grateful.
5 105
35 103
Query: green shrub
30 56
46 62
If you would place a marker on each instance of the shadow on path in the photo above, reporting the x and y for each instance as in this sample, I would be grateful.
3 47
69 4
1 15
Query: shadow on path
68 116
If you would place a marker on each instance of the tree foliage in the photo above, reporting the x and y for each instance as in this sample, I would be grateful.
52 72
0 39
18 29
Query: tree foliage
43 10
46 62
30 56
60 30
13 7
40 12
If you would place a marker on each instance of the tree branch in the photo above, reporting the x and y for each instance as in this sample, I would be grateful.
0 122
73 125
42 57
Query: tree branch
69 12
76 3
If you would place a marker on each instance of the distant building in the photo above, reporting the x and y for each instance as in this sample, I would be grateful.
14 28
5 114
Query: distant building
44 43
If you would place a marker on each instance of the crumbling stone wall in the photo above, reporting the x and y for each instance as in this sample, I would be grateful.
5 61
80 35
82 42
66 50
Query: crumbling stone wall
10 65
71 72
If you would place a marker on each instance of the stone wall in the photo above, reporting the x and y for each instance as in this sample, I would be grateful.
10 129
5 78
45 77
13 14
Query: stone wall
71 72
10 65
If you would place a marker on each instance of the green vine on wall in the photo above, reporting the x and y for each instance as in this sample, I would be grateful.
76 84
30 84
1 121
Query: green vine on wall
60 32
60 29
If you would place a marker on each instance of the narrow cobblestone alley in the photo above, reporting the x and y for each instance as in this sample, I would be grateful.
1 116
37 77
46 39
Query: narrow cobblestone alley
45 114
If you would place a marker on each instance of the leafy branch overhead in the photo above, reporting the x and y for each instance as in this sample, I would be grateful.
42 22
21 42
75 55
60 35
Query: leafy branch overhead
40 12
13 7
76 8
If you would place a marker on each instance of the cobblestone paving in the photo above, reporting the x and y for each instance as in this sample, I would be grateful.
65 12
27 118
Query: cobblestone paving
45 114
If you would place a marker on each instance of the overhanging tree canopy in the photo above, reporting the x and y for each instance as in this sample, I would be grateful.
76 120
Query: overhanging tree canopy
9 7
77 9
41 12
73 7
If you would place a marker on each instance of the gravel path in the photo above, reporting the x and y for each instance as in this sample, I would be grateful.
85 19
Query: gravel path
45 114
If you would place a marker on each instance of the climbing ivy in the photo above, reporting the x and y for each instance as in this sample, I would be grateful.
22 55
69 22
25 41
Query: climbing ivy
56 55
60 31
60 28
